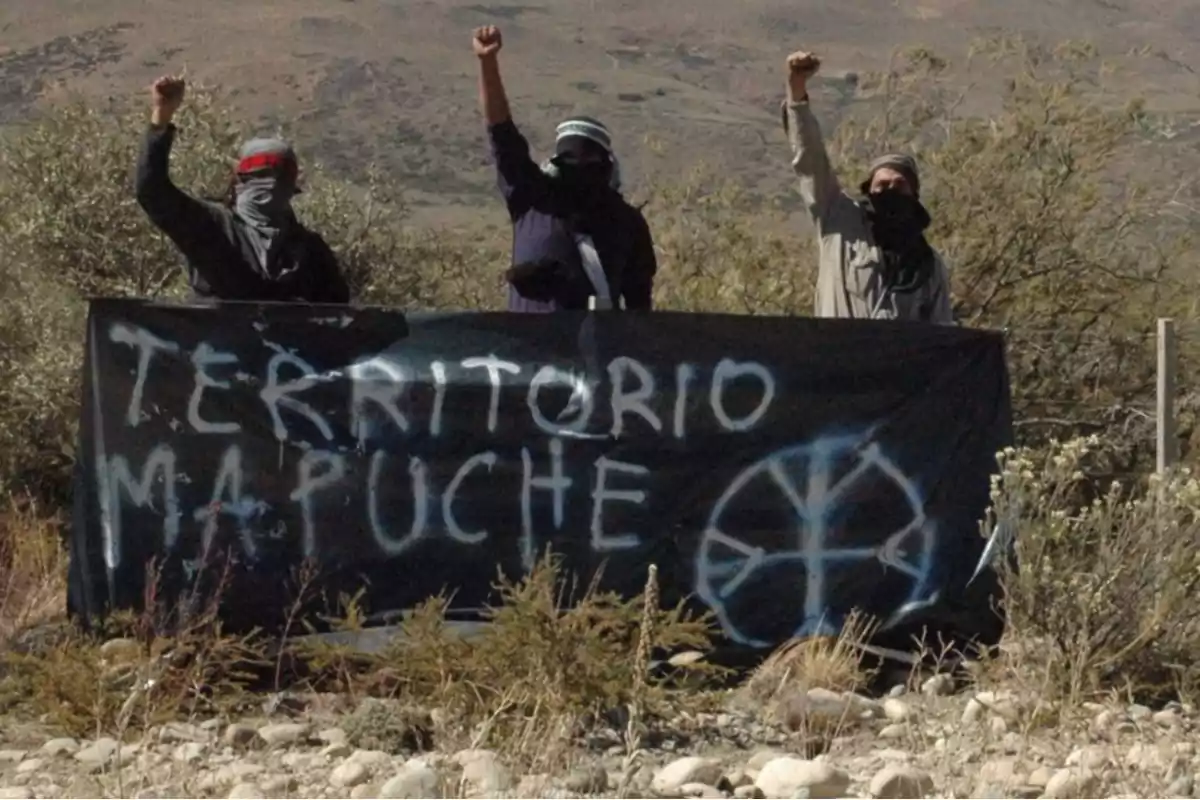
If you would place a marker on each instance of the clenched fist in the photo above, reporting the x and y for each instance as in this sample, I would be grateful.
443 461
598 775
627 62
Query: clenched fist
166 95
487 41
804 65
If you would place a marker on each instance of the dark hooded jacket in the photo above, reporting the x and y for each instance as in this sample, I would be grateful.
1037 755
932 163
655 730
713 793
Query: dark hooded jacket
222 256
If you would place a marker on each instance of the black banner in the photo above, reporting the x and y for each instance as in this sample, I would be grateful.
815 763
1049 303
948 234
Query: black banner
779 471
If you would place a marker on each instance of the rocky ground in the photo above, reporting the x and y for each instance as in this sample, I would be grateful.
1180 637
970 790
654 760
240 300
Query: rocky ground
931 741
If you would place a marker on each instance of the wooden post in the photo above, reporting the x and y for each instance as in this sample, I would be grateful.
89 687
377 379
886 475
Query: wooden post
1167 443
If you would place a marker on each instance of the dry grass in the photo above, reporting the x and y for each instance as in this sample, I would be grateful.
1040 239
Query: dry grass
33 569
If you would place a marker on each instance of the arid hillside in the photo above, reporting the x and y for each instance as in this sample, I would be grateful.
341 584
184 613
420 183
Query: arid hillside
393 82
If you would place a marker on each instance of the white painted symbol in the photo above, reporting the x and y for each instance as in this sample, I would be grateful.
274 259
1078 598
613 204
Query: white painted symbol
793 507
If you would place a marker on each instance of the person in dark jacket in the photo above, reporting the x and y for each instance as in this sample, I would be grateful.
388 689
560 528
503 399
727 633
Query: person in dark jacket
574 236
251 247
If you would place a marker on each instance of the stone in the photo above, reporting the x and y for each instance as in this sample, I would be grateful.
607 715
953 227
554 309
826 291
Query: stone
998 726
1139 713
336 750
749 792
99 752
31 765
735 778
587 780
332 736
282 734
901 781
691 769
1040 777
938 686
367 791
972 712
789 777
1167 718
762 758
483 773
181 732
189 753
1092 757
700 790
894 731
12 756
246 791
896 710
685 659
120 651
15 793
60 747
370 758
278 785
412 782
239 772
348 774
1183 786
1072 782
240 735
1003 773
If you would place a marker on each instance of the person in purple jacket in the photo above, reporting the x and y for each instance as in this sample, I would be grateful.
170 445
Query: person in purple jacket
575 237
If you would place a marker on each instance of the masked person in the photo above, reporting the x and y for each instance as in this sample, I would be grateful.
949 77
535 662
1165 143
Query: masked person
251 246
874 262
574 236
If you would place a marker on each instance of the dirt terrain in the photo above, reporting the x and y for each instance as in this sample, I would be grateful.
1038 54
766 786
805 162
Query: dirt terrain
392 82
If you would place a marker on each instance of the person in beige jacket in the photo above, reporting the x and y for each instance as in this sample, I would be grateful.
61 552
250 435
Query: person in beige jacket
874 260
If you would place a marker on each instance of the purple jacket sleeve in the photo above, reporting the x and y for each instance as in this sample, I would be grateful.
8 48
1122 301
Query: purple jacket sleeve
518 176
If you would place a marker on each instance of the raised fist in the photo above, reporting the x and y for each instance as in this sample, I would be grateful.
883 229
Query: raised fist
167 94
487 41
803 65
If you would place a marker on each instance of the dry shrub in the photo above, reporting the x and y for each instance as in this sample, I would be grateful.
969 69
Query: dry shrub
33 568
137 671
1102 596
817 662
552 657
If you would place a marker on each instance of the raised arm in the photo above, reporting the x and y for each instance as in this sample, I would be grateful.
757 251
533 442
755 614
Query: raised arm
518 175
187 221
819 185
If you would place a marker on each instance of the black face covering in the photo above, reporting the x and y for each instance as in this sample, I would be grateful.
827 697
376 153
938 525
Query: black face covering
898 223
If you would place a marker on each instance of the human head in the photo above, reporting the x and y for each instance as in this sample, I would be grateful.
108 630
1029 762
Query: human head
583 153
894 171
265 179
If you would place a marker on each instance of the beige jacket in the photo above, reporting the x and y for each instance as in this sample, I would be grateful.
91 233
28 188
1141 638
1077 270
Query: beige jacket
850 278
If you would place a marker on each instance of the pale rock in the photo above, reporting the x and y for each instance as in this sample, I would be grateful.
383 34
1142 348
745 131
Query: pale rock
1178 767
210 725
336 750
896 710
332 736
1167 718
181 732
1092 757
1040 777
1183 786
789 777
367 791
30 765
240 735
1185 748
862 707
373 758
120 651
301 761
15 793
98 752
412 782
483 773
762 758
1003 773
972 712
239 772
938 686
894 731
826 703
245 791
282 734
12 756
1105 719
189 753
686 659
348 774
692 769
750 792
901 781
735 778
1149 757
60 747
536 785
700 790
899 690
278 785
998 726
1139 713
1072 782
587 780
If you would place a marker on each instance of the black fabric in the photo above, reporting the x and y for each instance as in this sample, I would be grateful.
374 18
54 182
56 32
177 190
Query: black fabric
779 471
221 259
